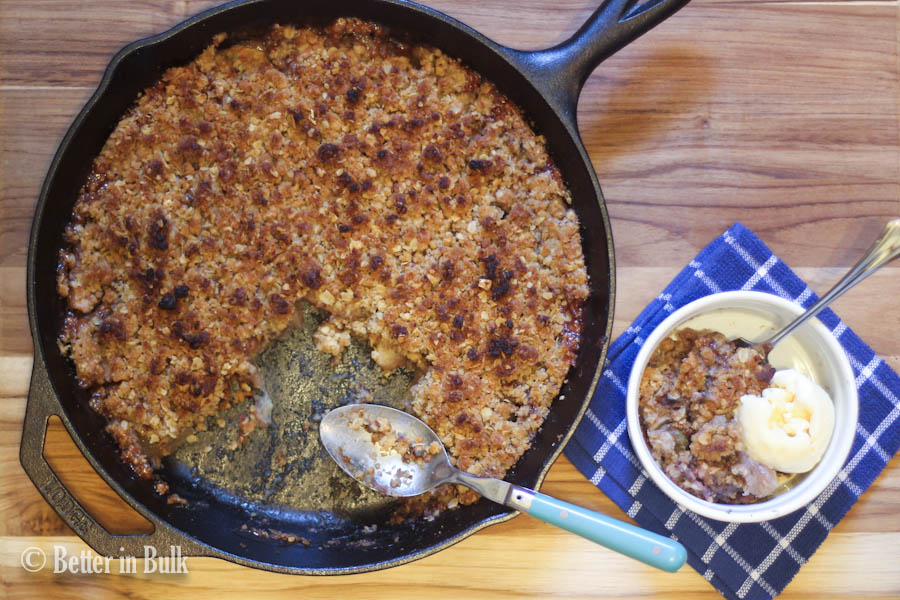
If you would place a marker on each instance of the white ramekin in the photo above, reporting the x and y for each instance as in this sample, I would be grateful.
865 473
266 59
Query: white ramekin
812 349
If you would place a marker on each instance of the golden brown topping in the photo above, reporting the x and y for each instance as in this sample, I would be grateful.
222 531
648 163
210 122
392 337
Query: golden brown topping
386 184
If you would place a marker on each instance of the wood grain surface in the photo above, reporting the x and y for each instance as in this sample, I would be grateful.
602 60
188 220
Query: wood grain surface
782 115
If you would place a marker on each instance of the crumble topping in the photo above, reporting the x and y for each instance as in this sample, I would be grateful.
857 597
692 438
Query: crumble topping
382 182
689 394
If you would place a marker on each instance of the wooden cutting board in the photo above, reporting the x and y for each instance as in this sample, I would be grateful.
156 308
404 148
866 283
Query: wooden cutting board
781 115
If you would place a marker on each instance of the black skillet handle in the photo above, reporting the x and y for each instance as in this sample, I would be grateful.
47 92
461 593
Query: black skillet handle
561 71
41 406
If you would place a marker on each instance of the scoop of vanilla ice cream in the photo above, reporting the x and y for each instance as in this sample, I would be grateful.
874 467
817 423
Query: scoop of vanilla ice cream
787 428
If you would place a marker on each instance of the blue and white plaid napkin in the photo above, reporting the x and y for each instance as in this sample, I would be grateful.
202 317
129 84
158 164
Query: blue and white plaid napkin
757 560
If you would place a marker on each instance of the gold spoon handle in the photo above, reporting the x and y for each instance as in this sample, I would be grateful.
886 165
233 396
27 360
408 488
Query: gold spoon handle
883 250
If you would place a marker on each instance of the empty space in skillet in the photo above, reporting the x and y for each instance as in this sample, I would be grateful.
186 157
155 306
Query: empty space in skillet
283 467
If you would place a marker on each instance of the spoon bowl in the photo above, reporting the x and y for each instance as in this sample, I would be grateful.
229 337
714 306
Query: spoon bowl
389 464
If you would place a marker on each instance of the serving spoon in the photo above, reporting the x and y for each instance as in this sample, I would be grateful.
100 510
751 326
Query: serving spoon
406 458
885 249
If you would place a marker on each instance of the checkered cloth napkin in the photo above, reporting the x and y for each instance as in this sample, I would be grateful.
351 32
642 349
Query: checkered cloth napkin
754 560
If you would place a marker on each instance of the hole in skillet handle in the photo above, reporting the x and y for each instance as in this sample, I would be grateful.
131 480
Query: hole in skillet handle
87 487
42 405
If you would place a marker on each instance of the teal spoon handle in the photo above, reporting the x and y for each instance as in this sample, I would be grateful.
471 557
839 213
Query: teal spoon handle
640 544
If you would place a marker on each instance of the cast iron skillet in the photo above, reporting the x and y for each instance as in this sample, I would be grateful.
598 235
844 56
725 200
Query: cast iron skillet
545 83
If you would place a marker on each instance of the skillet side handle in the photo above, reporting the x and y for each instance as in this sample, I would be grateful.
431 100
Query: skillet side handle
41 406
562 70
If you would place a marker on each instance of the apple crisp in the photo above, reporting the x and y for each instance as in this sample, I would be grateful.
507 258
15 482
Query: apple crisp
688 397
380 181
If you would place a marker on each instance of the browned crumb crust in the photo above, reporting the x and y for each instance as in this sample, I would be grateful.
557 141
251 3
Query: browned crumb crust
689 393
384 183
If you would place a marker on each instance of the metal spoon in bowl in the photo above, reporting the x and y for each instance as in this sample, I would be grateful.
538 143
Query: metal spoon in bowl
396 454
883 250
